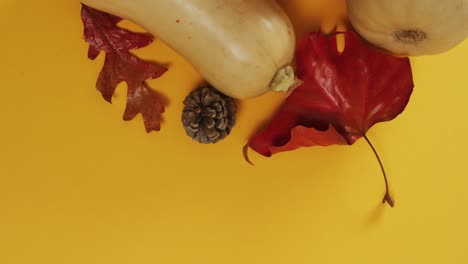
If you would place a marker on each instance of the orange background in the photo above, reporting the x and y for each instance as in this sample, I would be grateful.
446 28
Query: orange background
79 185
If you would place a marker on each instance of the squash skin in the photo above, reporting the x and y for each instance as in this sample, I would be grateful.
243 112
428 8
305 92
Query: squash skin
411 28
238 46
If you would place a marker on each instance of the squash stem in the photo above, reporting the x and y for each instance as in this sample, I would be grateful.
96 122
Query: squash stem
283 80
387 197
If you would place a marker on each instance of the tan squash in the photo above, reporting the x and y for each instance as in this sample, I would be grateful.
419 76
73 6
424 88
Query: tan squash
243 48
411 27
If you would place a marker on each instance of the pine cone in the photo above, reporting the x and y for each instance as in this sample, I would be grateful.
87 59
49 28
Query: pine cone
208 115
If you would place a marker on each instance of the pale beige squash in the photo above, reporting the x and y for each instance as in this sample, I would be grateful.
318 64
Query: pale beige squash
411 27
241 47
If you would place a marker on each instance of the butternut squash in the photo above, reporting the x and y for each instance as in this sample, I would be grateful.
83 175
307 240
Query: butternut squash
411 28
244 48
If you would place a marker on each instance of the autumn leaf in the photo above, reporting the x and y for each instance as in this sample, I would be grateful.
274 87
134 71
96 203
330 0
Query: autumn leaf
120 65
342 95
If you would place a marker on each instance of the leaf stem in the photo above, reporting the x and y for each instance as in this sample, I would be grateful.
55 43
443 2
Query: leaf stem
387 197
245 152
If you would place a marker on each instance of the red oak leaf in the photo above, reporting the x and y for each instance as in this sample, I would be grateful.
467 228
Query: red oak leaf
103 34
342 95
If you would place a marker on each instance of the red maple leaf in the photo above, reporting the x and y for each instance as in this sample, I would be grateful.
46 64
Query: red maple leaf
103 34
342 96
